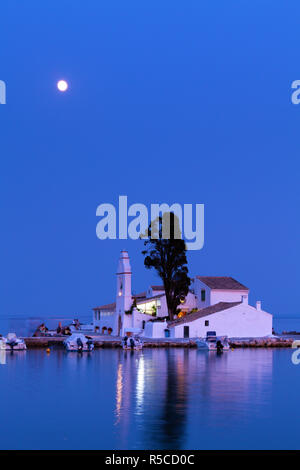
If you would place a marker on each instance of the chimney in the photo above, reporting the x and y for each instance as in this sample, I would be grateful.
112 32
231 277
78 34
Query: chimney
245 299
258 305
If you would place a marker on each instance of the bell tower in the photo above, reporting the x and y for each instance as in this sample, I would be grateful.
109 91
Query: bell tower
124 297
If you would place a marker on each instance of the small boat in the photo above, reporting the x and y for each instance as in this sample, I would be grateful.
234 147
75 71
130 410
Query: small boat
12 343
132 343
79 342
213 343
83 328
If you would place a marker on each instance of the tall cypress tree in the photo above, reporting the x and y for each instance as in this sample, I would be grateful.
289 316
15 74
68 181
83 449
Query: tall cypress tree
168 257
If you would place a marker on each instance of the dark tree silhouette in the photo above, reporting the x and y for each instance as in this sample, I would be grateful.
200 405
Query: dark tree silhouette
166 253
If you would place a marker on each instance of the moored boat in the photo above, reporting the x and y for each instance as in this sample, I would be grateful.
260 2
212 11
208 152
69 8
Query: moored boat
132 343
79 342
12 343
82 328
213 343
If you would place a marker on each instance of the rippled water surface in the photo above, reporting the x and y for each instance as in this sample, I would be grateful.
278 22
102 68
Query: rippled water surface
174 399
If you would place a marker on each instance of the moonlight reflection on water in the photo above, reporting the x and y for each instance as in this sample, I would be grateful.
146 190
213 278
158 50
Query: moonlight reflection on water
152 399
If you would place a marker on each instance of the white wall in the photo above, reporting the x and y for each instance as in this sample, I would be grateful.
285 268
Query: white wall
213 296
163 310
241 321
155 329
127 322
139 318
217 296
110 321
198 286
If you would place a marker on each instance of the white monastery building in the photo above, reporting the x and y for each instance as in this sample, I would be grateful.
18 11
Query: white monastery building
213 304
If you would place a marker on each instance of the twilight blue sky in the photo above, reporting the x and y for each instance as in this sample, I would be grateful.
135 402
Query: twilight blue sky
169 101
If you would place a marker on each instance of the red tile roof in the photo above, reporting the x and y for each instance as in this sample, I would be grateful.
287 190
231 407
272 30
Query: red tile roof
140 295
204 312
147 299
157 288
106 307
222 283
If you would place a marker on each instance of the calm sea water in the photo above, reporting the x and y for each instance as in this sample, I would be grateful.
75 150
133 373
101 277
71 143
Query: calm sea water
155 399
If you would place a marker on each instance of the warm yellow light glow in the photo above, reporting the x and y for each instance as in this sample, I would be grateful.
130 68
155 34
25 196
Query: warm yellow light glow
62 85
140 386
148 307
119 391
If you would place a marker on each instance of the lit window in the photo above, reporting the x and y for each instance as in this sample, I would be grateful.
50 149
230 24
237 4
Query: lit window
149 308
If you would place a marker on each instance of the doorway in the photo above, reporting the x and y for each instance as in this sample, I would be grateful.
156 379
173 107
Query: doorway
186 331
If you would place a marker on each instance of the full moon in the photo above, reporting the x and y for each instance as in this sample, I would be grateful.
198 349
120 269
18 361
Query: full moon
62 85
